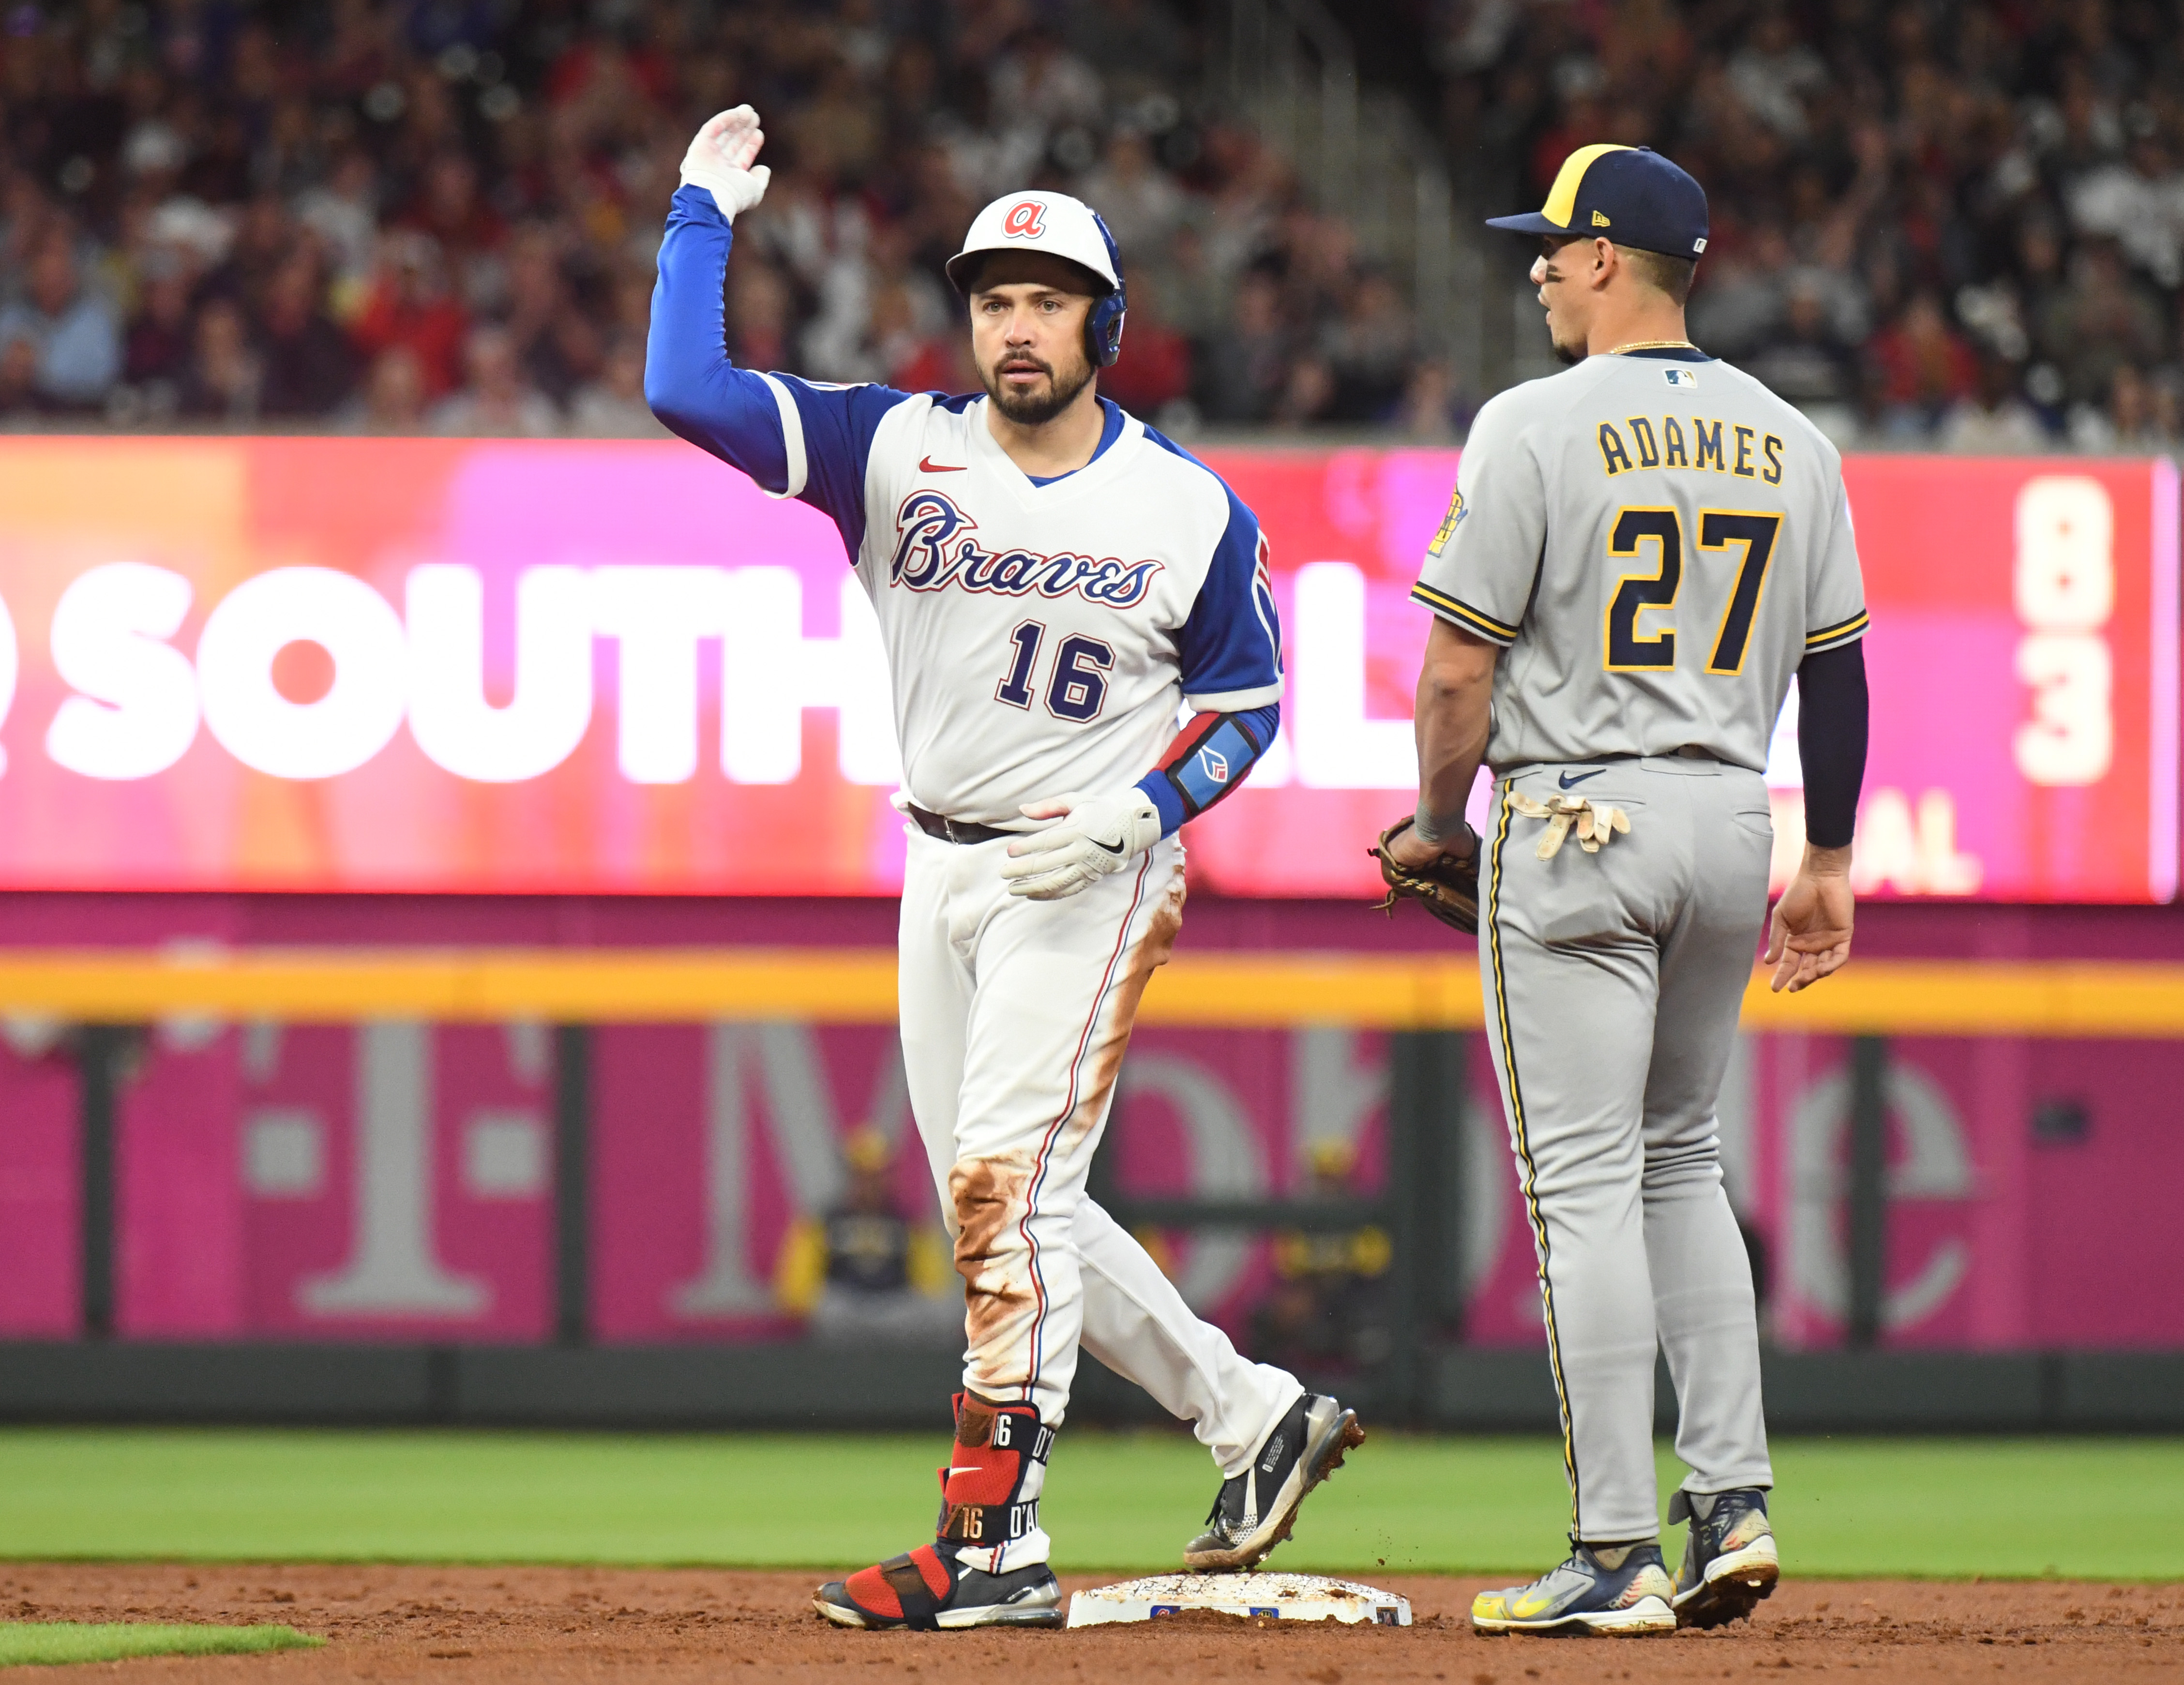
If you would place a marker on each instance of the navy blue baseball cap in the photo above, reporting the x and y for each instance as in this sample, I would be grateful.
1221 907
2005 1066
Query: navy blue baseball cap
1630 195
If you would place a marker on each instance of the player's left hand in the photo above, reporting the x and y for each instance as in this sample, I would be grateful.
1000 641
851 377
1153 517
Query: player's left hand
1442 878
1809 934
1091 837
1410 849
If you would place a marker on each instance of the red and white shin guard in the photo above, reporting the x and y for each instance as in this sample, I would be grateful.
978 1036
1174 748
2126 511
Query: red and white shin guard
989 1490
987 1567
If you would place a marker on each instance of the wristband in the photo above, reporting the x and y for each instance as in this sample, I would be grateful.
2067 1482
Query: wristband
1425 823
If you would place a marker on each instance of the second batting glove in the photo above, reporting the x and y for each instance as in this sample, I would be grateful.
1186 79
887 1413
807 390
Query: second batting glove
1092 837
720 160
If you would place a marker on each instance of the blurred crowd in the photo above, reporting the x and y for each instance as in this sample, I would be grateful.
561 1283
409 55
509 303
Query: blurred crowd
441 215
1959 223
1945 222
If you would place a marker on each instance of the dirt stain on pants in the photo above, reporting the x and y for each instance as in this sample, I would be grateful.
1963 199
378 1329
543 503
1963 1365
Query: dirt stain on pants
999 1302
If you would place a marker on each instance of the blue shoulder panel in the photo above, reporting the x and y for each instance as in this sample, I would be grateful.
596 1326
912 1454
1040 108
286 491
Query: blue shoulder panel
839 423
1231 644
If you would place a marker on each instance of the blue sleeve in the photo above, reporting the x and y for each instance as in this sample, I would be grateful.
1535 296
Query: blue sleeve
796 438
1231 645
1209 758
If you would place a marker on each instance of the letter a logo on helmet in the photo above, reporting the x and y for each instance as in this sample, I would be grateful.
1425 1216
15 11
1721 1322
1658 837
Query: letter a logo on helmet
1026 221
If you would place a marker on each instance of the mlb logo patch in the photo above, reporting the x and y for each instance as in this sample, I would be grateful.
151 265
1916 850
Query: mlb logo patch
1216 765
1680 378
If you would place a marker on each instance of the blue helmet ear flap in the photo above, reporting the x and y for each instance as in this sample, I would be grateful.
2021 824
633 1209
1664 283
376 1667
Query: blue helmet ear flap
1103 327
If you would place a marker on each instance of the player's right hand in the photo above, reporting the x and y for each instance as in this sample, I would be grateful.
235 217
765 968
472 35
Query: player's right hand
1087 837
721 161
1808 936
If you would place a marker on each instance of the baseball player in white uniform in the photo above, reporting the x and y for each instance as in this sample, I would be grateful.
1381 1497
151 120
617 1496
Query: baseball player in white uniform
1640 553
1053 581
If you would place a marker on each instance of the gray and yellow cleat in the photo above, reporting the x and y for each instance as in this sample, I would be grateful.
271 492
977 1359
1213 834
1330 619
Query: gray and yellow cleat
1729 1563
1613 1591
1255 1510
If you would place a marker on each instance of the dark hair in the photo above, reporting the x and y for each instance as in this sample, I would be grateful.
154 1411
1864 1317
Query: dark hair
1662 272
1094 283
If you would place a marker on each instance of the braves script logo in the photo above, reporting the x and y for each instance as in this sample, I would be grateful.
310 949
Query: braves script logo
1026 221
933 548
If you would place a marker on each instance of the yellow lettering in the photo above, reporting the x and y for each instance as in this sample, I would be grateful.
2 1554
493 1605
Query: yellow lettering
1649 454
1773 447
1612 457
1743 469
1672 445
1709 444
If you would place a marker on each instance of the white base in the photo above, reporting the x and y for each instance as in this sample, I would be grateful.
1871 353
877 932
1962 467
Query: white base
1282 1597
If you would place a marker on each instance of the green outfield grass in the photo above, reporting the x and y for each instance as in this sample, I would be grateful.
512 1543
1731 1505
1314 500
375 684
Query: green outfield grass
2094 1507
53 1641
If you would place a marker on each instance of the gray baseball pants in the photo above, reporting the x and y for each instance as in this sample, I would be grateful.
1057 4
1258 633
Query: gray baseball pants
1613 984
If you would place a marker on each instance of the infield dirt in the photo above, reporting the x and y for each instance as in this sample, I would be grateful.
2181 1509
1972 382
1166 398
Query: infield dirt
483 1626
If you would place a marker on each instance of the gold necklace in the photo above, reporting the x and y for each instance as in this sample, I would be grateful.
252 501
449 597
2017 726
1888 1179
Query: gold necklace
1654 345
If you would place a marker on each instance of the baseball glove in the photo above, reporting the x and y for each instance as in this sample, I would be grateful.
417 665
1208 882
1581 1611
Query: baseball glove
1447 888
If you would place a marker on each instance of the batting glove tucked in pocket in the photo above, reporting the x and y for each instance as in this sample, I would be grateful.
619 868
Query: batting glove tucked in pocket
1092 836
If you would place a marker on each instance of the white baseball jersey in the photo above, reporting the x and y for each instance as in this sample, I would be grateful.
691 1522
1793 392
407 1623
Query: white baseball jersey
1657 540
1040 635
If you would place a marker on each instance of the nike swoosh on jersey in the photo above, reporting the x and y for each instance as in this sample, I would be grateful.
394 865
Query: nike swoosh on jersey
1566 780
928 465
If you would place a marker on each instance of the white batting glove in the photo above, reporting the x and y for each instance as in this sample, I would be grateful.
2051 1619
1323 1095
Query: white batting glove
719 161
1093 836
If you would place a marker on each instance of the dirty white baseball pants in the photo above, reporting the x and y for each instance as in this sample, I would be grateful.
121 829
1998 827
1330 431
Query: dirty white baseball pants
1614 982
1014 1014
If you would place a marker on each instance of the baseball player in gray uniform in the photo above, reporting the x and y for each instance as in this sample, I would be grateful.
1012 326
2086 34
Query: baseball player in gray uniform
1640 552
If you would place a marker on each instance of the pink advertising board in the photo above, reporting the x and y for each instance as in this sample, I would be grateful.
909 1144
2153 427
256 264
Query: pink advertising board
498 667
395 1180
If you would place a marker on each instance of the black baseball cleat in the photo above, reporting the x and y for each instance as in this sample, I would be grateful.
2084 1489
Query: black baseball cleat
928 1592
1254 1511
1729 1561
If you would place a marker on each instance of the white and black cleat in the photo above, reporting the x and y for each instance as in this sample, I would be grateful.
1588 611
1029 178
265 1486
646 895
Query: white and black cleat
1729 1561
1255 1510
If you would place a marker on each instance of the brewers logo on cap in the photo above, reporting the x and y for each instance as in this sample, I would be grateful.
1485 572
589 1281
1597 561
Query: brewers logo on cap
1630 195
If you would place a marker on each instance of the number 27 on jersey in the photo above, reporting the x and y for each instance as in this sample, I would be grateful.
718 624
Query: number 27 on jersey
1745 536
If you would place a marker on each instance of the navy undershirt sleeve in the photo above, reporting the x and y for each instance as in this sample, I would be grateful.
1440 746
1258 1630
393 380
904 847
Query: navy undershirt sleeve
1831 738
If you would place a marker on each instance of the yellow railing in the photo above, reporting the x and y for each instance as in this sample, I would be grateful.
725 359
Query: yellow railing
857 985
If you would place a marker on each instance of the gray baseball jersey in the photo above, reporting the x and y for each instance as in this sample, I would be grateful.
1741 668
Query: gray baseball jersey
1657 541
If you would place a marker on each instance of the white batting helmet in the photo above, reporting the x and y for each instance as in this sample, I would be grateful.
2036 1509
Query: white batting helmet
1066 228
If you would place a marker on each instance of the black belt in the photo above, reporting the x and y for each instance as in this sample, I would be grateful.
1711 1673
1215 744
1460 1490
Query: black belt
1688 752
955 830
